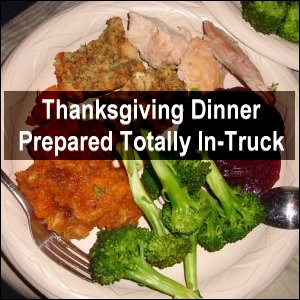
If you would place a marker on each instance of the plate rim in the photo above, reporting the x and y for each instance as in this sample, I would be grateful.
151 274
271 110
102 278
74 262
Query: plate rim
218 8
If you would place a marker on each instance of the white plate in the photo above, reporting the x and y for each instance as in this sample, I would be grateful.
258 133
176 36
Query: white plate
228 13
239 270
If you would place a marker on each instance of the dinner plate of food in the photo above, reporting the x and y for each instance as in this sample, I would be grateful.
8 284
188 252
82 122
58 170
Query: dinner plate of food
229 14
91 46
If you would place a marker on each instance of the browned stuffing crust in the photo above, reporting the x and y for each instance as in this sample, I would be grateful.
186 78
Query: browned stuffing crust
161 79
101 65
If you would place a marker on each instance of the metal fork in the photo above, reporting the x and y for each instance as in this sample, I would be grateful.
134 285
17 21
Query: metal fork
64 253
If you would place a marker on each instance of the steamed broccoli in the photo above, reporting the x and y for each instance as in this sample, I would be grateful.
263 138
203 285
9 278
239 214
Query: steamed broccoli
289 28
277 17
191 177
211 234
190 265
229 215
119 254
181 214
190 173
187 209
163 249
150 182
264 16
211 218
243 211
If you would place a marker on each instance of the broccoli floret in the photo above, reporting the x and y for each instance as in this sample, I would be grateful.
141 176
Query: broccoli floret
166 250
264 16
243 210
190 173
163 249
180 214
113 253
211 234
230 217
184 214
289 28
184 218
119 254
150 182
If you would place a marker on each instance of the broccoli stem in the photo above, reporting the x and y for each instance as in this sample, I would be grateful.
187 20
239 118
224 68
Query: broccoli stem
221 189
190 267
140 195
171 186
152 214
229 199
145 275
210 221
211 226
180 200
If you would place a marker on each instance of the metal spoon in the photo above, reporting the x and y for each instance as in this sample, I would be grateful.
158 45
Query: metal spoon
282 206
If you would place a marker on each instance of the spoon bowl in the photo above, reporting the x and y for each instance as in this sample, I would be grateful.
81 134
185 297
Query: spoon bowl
282 204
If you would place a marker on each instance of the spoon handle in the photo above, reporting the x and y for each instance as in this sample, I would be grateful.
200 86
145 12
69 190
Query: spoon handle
282 205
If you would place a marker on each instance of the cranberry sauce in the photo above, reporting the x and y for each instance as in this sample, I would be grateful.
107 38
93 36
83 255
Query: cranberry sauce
252 175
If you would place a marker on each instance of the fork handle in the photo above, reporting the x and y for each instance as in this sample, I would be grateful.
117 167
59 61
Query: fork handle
10 185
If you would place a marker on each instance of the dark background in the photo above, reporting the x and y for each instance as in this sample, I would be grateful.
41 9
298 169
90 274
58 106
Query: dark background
10 9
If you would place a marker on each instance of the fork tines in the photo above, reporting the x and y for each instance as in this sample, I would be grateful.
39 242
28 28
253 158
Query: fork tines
69 256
